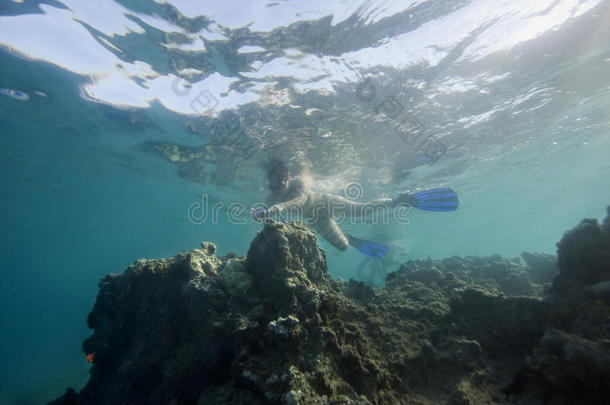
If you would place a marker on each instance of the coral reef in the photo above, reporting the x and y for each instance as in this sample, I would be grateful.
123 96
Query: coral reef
542 268
572 362
273 327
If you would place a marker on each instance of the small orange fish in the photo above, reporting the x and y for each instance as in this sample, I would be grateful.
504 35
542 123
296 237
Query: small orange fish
90 357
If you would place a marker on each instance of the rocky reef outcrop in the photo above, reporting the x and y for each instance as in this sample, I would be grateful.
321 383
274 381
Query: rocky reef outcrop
273 328
571 364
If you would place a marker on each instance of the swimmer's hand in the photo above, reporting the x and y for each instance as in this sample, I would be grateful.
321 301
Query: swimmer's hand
263 213
259 213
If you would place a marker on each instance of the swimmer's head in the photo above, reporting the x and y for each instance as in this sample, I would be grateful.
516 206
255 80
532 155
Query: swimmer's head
285 180
278 175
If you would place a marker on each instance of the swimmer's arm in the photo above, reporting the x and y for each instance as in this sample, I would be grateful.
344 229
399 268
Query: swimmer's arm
295 205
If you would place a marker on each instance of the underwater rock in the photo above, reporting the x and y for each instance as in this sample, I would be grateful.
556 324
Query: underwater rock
584 255
566 369
606 223
504 326
580 290
69 398
288 267
283 326
571 364
235 278
495 274
561 358
542 267
273 328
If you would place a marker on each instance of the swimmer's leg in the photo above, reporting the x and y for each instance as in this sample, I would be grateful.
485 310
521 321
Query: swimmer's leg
330 231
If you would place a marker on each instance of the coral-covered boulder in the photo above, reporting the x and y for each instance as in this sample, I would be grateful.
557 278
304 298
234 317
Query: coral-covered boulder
581 289
566 369
584 255
542 268
288 267
571 364
505 327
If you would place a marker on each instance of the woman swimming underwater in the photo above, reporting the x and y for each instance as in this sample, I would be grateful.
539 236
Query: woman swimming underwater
291 193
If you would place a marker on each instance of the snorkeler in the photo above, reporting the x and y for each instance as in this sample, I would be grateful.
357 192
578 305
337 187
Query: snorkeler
291 193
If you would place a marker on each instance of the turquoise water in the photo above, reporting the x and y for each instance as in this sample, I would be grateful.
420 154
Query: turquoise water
516 93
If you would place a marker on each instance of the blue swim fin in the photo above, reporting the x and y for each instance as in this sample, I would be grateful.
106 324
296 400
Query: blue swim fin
367 247
437 199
